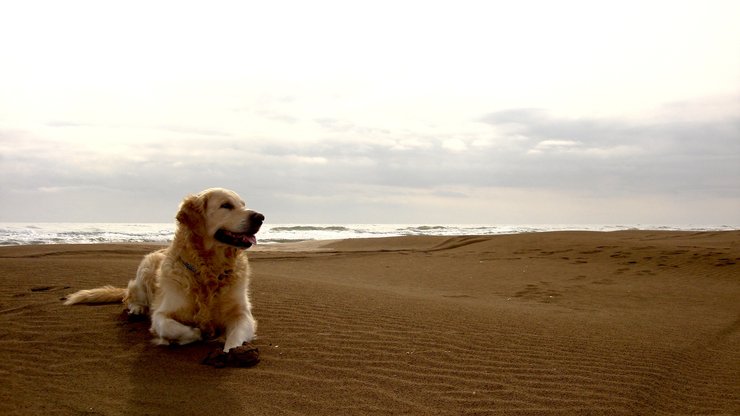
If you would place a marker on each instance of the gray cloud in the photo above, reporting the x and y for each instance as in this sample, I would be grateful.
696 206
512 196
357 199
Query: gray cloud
631 156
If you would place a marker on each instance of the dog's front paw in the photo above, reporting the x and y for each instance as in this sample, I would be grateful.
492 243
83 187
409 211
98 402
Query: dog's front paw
194 335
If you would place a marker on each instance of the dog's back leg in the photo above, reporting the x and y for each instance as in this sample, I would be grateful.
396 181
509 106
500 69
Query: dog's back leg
141 289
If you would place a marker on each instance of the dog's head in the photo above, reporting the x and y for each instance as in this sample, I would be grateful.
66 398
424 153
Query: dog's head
220 216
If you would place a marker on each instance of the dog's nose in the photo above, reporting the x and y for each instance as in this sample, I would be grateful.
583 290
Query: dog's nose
256 218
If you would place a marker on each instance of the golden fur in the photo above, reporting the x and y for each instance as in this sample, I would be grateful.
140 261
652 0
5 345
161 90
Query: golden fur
198 286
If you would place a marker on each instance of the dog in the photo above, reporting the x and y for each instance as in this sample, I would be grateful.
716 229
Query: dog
198 287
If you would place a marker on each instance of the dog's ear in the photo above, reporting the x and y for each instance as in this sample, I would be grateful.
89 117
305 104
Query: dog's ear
192 215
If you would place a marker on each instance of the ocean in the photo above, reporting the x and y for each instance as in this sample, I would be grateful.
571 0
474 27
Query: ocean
86 233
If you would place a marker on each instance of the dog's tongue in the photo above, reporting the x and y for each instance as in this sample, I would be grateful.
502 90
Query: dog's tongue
251 239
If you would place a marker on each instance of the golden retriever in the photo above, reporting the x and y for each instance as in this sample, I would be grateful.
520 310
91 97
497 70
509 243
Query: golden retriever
197 288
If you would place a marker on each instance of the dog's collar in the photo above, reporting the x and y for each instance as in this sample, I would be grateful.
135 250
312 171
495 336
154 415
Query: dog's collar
188 266
193 270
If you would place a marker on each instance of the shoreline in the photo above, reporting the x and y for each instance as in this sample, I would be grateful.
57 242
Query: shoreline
161 233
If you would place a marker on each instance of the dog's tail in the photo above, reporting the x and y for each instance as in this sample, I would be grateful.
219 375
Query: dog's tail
105 294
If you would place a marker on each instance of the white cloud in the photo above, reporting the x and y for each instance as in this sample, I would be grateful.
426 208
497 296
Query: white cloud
454 145
554 146
409 144
615 151
309 160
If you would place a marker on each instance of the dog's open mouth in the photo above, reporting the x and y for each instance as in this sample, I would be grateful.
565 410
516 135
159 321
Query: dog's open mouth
243 240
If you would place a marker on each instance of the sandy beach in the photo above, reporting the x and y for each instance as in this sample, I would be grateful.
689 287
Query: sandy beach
561 323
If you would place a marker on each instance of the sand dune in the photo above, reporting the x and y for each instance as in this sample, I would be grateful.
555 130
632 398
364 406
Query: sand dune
545 323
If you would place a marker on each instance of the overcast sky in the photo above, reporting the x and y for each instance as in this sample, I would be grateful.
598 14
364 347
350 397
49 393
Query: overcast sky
516 112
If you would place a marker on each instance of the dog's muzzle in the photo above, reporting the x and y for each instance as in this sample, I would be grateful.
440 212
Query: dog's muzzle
244 239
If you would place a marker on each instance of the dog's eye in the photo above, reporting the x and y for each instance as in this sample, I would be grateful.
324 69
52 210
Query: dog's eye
227 205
